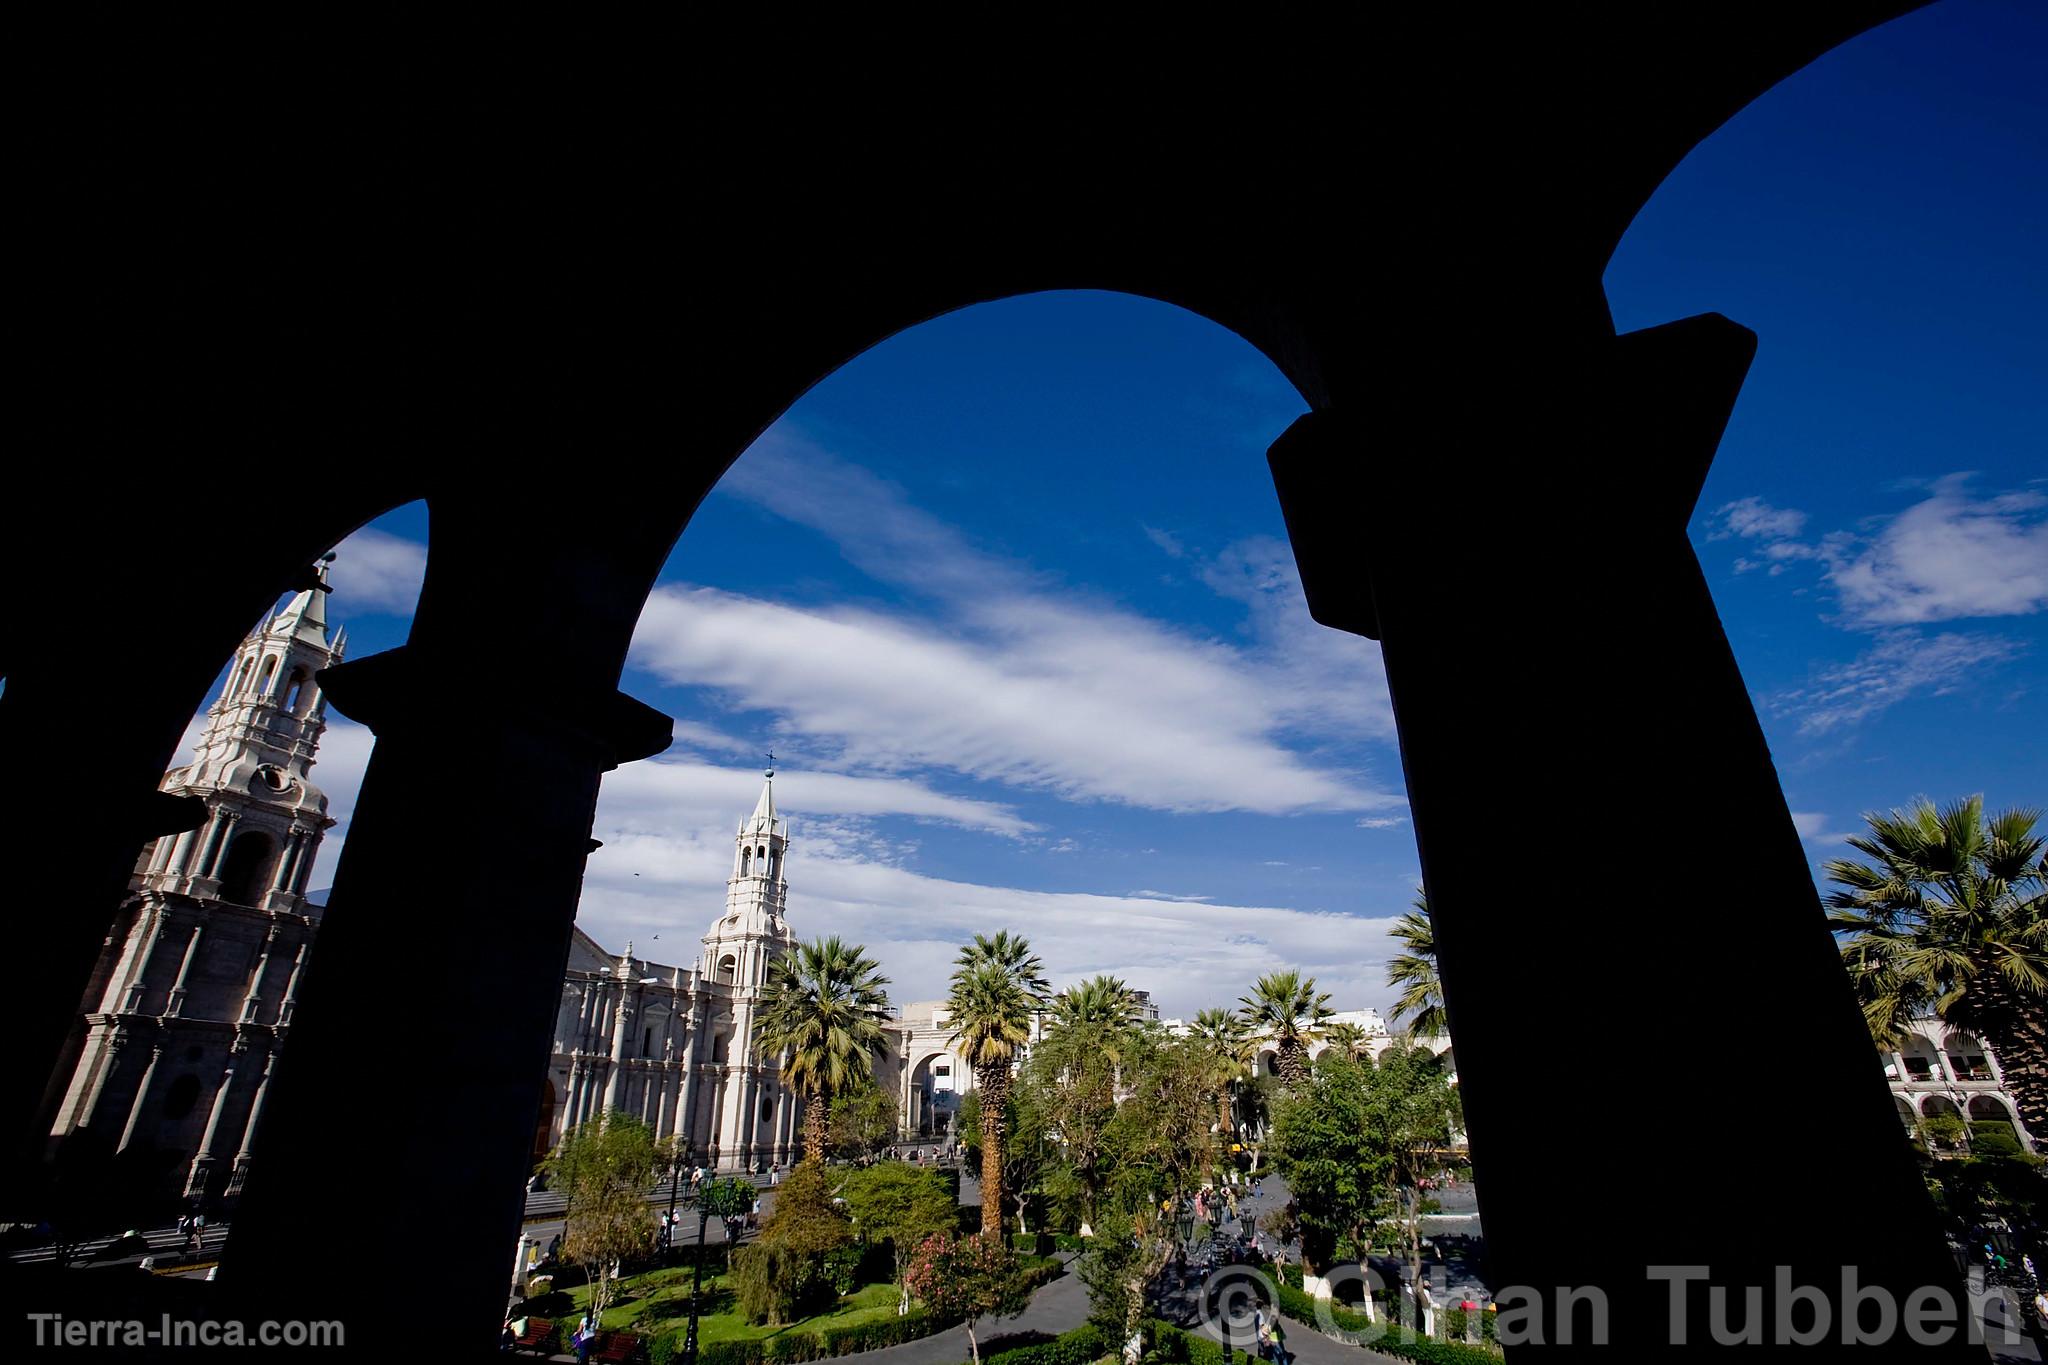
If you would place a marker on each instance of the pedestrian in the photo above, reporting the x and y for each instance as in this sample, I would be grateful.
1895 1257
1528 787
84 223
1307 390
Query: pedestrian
1261 1340
775 1175
1279 1342
507 1338
583 1340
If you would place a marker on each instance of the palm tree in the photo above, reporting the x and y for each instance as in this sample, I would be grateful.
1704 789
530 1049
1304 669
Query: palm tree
1422 992
1951 914
822 1010
1227 1043
1291 1010
1347 1038
998 983
1100 1013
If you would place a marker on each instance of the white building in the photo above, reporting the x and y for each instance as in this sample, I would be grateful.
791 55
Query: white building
671 1044
1944 1070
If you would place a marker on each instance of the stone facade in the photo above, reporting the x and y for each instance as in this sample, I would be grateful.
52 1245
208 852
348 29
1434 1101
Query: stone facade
191 1000
669 1044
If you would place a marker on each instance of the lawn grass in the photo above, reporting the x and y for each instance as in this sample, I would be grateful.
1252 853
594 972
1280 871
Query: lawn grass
658 1301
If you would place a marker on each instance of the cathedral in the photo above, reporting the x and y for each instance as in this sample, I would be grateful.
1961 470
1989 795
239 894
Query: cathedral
671 1044
191 1001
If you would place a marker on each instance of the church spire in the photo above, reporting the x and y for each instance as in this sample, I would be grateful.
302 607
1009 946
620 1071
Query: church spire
764 809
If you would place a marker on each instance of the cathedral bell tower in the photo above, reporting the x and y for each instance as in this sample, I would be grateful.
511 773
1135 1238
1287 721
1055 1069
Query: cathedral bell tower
192 998
749 936
752 931
251 767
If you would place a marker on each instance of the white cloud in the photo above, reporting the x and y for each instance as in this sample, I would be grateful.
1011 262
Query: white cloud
1948 557
1813 828
1150 895
344 755
1168 542
1023 681
1902 664
375 571
1382 821
658 792
1190 954
1754 519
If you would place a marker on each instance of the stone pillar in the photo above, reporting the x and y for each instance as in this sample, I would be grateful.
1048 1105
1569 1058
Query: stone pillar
252 998
572 1092
202 1161
247 1147
224 834
142 1089
175 1002
622 1025
137 991
291 986
110 1057
288 864
537 731
1546 522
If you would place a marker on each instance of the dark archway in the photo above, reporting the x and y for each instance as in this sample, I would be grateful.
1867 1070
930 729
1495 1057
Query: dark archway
245 872
1490 474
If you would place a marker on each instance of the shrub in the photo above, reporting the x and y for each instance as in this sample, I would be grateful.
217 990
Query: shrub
1389 1340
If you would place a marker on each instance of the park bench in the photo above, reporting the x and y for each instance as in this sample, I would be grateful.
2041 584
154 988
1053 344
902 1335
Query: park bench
539 1334
618 1348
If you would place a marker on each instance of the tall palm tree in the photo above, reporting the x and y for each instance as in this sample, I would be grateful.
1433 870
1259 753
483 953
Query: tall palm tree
1227 1044
998 983
1951 914
1422 993
822 1010
1290 1009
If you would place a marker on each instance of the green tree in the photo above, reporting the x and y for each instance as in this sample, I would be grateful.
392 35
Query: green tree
1421 1001
863 1121
1227 1044
902 1205
1948 915
967 1278
1329 1143
1414 1111
822 1010
604 1168
1291 1011
997 984
782 1276
1074 1073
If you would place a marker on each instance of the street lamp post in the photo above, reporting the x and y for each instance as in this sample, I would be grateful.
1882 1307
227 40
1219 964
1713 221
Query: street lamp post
696 1285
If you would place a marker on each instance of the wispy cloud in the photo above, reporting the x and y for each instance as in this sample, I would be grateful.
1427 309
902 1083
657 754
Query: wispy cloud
1902 664
660 791
1189 953
1949 557
1010 677
1813 828
376 572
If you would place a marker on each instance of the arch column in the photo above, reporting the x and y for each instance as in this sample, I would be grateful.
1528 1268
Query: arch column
537 733
1474 531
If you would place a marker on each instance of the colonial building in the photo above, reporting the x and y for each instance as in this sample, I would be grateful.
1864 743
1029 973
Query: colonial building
192 997
1941 1070
671 1044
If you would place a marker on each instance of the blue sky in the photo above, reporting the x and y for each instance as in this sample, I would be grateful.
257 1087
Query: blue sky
1010 596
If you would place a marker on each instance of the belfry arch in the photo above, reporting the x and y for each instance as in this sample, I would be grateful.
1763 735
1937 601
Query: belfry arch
1476 422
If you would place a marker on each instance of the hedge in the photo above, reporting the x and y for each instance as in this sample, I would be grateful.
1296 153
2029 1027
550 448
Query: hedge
796 1347
1389 1338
